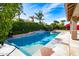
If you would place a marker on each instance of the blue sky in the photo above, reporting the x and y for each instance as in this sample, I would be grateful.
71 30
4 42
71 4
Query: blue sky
51 11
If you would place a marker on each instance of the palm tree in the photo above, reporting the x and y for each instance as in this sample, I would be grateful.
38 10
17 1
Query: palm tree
56 22
62 24
39 16
32 17
21 12
62 21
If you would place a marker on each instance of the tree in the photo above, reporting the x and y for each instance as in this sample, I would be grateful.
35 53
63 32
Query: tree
56 22
32 17
57 25
7 12
62 21
62 26
39 16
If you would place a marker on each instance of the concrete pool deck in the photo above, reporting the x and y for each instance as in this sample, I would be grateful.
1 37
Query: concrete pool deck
64 49
69 47
8 50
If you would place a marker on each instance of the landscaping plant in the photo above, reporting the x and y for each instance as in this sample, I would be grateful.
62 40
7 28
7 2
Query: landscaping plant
7 12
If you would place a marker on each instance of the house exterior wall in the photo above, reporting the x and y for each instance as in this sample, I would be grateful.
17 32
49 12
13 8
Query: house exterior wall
76 11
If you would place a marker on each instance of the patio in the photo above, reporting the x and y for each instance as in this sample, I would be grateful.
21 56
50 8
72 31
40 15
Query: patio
69 47
64 47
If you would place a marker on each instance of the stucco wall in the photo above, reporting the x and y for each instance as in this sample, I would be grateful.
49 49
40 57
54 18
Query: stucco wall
76 11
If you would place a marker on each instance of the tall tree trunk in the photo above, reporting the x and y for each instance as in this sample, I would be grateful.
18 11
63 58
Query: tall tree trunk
32 20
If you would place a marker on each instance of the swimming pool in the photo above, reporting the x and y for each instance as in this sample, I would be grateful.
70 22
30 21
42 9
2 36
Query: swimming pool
30 43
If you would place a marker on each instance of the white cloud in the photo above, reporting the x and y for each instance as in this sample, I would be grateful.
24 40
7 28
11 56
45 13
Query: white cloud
30 10
48 7
48 16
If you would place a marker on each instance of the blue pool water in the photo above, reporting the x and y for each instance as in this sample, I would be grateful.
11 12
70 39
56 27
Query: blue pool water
30 43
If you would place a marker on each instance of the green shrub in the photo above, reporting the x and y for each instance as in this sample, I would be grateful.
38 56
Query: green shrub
7 12
20 27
